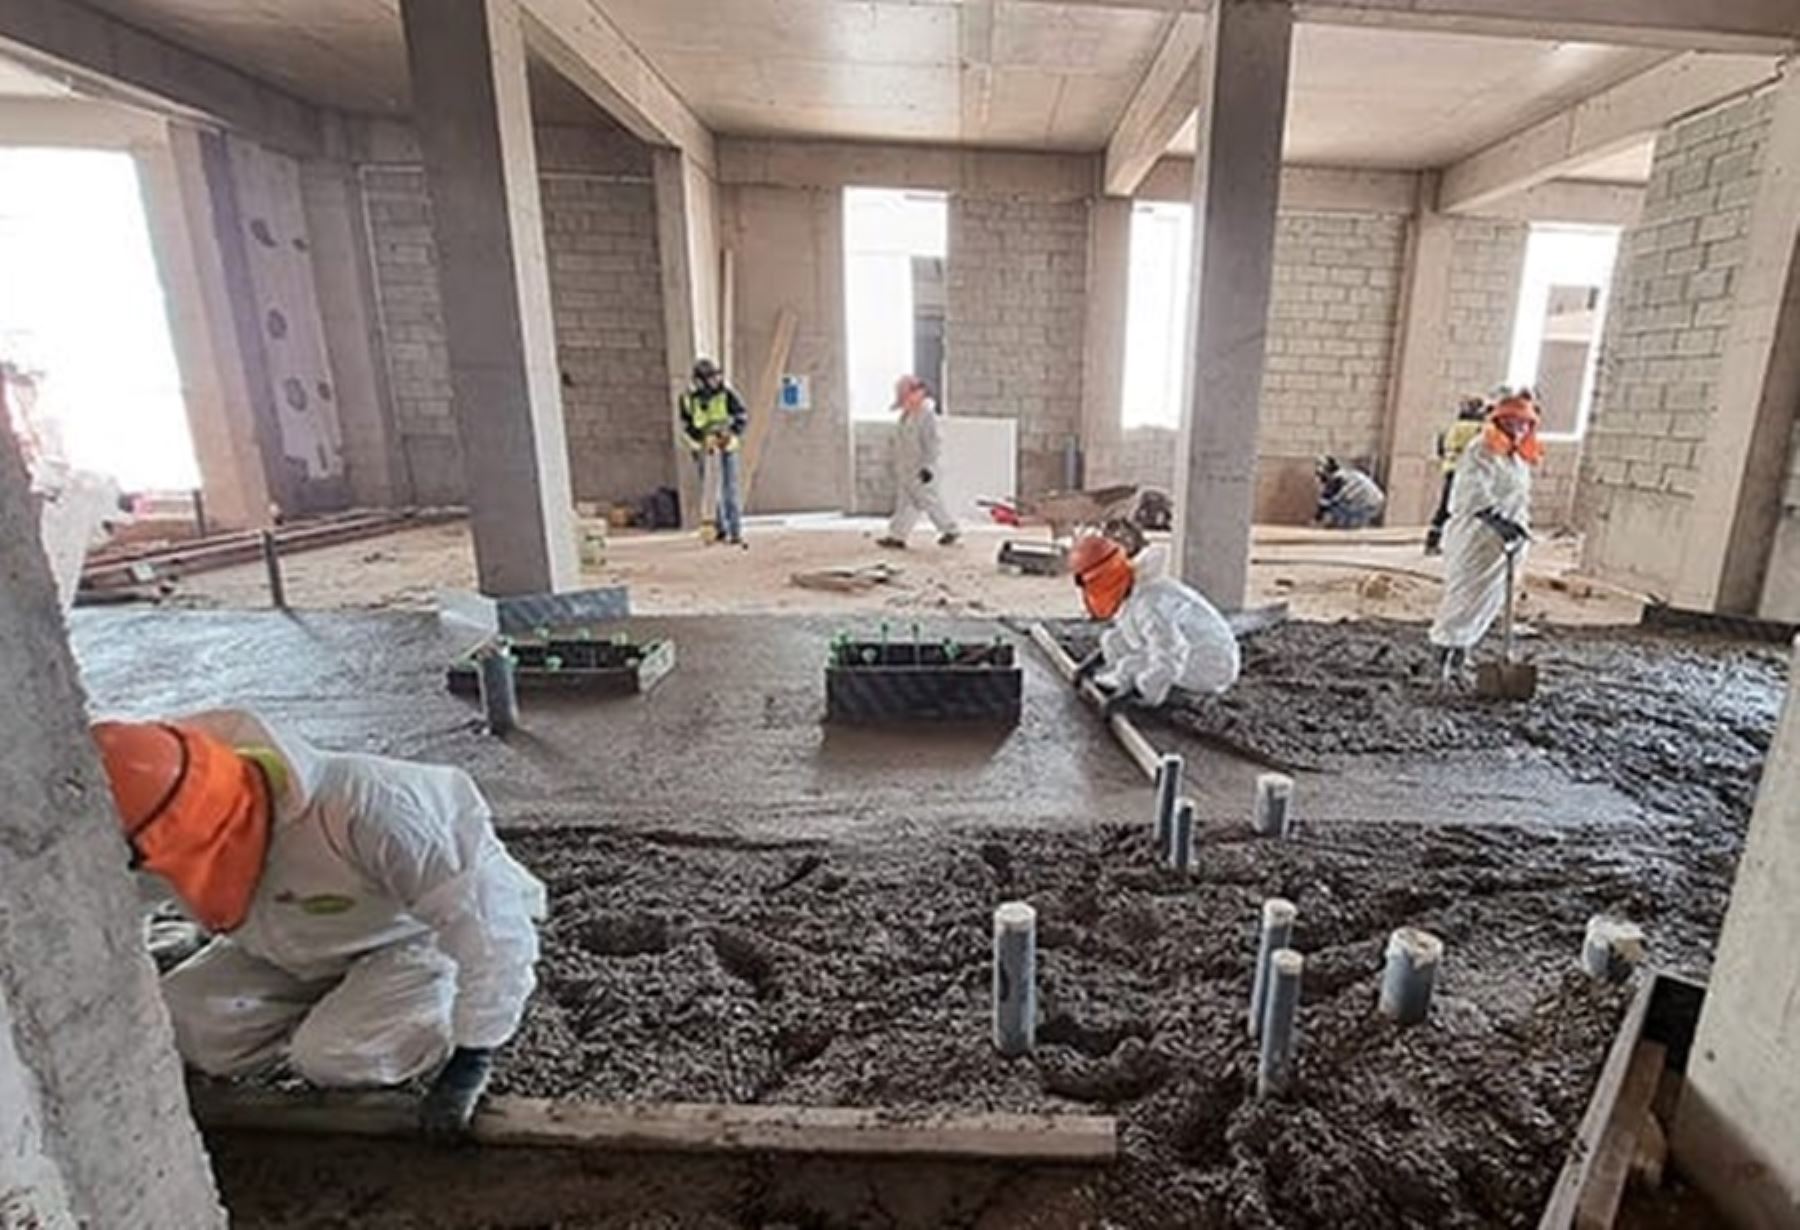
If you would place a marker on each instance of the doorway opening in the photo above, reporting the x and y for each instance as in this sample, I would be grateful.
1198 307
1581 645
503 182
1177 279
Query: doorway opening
1562 311
894 251
1158 287
83 323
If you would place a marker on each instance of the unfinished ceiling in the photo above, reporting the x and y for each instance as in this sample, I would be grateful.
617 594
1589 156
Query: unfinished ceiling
991 72
1411 99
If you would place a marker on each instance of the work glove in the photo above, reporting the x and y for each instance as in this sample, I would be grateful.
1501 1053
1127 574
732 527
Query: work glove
924 475
1117 700
449 1104
1085 669
1511 532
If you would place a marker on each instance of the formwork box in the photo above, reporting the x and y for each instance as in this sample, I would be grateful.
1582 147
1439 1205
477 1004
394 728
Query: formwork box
869 682
606 668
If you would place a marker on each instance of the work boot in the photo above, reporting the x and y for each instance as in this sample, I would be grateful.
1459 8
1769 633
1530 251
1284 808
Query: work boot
949 538
1434 544
1451 663
889 541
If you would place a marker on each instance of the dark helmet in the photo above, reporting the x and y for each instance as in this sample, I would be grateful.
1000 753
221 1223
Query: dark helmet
706 369
1326 465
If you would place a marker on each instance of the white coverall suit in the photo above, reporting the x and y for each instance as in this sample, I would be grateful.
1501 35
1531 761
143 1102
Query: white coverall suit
918 446
389 925
1474 556
1166 635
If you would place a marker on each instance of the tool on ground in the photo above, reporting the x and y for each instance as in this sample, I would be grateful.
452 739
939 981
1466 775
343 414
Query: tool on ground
1038 559
1508 679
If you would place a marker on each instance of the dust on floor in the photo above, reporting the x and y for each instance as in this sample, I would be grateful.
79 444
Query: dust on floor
1320 575
679 965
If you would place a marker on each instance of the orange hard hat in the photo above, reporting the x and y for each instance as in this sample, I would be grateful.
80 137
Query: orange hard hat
193 811
1521 411
1103 572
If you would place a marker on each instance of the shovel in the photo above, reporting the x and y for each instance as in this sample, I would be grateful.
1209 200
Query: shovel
1507 679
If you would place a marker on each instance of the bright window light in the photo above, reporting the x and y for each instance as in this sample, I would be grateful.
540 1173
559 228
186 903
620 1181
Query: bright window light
1562 310
83 310
884 230
1156 313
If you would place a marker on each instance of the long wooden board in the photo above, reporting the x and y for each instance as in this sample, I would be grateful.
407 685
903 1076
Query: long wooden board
764 396
673 1127
1142 752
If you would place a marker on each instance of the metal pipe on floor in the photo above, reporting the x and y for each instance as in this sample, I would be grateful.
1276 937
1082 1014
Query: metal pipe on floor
1275 1059
271 553
1278 914
1015 978
1413 957
1274 804
498 672
1168 790
1180 856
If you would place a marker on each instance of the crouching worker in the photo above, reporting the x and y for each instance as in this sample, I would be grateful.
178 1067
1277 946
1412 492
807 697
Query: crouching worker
1348 498
368 925
1164 634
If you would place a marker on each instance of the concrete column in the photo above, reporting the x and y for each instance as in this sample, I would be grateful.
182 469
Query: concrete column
472 108
1737 503
1734 1132
94 1124
1103 360
214 381
680 295
1237 184
1416 410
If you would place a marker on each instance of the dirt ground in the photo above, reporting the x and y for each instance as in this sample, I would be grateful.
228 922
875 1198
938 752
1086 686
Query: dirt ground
770 956
1321 575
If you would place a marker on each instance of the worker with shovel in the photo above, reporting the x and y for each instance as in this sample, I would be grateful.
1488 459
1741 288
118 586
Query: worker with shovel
713 420
1164 634
1489 528
367 924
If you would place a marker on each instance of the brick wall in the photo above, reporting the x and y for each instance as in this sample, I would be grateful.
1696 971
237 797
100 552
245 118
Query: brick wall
1487 259
606 294
873 445
1660 359
1332 315
1017 286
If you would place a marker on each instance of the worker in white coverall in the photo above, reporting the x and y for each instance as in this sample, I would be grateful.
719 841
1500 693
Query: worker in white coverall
918 450
368 925
1490 523
1164 634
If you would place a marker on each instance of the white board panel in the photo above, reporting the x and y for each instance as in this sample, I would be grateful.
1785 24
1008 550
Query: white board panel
981 461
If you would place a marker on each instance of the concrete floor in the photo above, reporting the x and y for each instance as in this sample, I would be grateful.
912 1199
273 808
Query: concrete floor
732 744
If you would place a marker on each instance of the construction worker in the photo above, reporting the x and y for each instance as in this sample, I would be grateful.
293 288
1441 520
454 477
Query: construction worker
713 420
1164 634
1471 413
368 925
1490 525
918 449
1348 498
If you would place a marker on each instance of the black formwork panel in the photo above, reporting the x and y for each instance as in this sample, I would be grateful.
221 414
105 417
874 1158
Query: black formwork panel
573 662
871 682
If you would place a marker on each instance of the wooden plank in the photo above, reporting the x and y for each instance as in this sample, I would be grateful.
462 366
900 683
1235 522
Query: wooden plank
762 400
1605 1186
671 1127
1142 752
1571 1182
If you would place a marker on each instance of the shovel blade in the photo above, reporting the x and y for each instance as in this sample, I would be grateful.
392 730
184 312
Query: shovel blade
1506 680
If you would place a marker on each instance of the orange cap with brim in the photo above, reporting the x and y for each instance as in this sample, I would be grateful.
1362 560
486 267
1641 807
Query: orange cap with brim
1104 574
193 811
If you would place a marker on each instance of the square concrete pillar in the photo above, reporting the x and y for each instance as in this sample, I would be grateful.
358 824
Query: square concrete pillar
1416 410
1237 186
472 110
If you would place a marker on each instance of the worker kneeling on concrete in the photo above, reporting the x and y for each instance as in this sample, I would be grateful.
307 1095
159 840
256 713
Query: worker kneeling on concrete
1348 498
1490 525
1164 634
368 923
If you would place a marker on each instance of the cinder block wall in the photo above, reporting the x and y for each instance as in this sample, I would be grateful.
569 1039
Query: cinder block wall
606 293
1660 361
1017 273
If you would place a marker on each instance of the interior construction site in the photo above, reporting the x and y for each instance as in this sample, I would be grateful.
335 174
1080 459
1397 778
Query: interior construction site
899 613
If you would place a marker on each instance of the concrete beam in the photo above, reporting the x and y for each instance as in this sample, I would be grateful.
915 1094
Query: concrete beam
1303 189
1575 201
110 60
76 123
583 44
938 168
1160 105
1616 118
1771 26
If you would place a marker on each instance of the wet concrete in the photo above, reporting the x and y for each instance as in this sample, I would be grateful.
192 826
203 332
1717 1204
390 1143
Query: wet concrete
746 907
